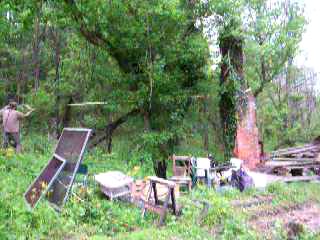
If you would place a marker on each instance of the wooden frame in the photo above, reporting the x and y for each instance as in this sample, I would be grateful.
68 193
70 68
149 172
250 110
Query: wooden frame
181 174
159 207
183 170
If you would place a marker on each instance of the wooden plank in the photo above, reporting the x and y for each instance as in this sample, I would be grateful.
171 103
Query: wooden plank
295 150
290 164
162 181
156 207
154 187
181 158
252 202
148 199
299 179
304 155
293 159
173 200
87 103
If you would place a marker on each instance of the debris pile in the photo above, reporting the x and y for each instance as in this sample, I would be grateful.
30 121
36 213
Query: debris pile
295 160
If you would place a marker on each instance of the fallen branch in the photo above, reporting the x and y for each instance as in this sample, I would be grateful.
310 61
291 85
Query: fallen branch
109 129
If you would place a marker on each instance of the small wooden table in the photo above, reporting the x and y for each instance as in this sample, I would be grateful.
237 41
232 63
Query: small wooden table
158 206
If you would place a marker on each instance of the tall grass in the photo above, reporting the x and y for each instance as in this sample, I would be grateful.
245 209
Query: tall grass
95 217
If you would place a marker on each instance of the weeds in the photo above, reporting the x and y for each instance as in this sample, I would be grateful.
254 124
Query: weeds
88 214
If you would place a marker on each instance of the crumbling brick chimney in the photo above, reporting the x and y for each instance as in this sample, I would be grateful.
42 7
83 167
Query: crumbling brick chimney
247 146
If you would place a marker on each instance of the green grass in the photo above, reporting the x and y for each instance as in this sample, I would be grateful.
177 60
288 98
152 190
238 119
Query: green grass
97 218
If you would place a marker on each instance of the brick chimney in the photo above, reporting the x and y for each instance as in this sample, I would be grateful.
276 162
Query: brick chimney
247 146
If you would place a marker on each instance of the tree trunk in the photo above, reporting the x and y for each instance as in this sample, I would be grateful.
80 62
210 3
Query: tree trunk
146 121
35 53
160 168
205 126
231 48
56 41
67 114
109 133
20 78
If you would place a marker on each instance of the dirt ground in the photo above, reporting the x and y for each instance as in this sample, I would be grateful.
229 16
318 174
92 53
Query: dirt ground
265 217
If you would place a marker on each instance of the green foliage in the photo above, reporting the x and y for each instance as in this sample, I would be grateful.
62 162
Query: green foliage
88 214
293 193
151 56
43 101
93 213
287 117
274 34
144 55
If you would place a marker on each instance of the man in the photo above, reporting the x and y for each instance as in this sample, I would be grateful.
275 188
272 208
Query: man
10 121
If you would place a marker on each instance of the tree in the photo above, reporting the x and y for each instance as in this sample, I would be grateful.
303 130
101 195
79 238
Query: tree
266 36
274 31
226 20
231 81
149 60
274 111
160 54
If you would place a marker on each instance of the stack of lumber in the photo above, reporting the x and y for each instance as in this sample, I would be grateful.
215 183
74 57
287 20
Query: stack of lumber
301 157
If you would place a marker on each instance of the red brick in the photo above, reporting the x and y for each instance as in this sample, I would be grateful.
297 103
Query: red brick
247 139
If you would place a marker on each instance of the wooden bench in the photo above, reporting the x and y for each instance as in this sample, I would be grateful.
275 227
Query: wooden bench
158 206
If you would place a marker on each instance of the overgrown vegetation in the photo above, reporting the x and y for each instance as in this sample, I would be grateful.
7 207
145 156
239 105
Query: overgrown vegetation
162 89
153 66
89 215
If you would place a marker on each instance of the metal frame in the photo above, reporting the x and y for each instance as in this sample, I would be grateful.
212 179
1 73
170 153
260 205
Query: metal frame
79 160
49 184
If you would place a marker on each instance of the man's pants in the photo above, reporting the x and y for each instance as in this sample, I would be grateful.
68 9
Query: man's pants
13 139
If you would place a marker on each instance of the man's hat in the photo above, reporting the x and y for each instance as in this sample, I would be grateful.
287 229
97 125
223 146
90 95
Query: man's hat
13 104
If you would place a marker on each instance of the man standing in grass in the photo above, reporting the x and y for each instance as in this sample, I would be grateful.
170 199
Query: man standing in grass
10 122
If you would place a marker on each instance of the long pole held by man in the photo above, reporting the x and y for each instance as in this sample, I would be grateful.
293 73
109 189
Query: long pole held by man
11 124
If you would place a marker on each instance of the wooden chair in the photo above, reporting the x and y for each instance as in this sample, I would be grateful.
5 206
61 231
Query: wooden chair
182 170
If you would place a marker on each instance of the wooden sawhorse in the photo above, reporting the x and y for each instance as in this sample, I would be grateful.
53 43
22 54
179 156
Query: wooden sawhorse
159 206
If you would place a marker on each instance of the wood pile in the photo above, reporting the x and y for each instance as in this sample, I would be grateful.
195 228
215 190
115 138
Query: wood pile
295 160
